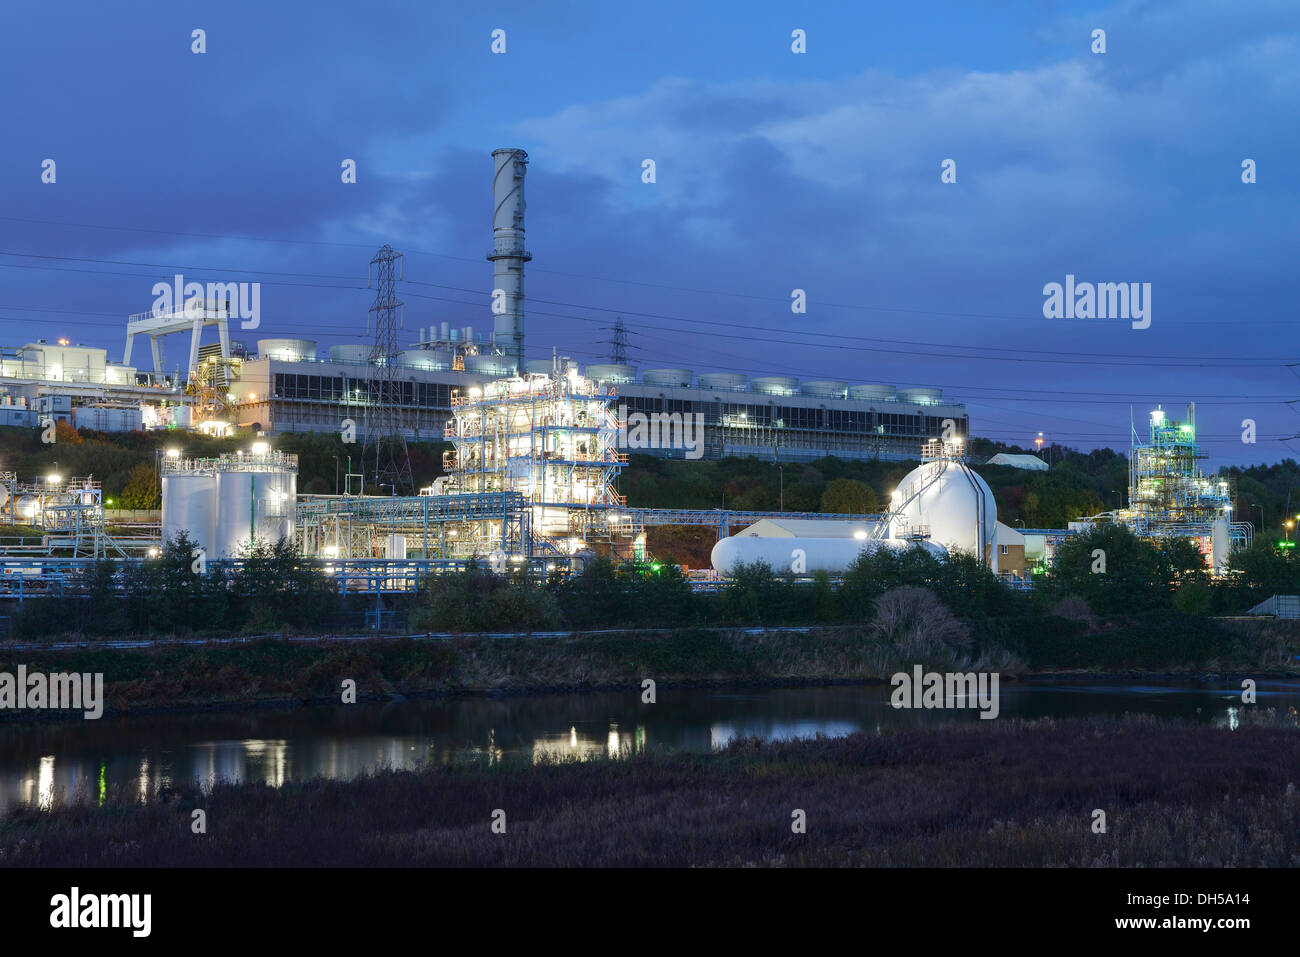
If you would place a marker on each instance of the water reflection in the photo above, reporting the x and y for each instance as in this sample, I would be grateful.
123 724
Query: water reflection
136 758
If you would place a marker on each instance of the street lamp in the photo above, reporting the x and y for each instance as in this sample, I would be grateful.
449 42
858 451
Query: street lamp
1286 532
1261 515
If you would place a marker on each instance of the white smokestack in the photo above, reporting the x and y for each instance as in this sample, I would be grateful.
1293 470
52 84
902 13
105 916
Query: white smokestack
508 254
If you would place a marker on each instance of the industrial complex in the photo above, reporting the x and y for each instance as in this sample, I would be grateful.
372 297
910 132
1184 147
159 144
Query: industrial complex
536 448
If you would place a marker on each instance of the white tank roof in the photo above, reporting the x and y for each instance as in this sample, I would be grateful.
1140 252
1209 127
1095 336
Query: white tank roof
611 372
350 353
872 391
826 388
289 349
724 381
672 378
775 385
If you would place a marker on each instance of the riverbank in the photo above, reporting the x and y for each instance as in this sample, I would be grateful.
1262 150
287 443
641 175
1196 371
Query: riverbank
996 793
272 673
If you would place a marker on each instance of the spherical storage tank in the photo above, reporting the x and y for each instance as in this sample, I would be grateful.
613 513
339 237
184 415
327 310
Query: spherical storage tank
189 504
949 499
667 378
803 555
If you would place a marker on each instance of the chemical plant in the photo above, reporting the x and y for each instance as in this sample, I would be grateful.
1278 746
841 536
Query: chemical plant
537 446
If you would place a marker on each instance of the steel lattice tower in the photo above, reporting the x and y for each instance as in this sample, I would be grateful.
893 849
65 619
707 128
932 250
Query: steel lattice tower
384 441
618 342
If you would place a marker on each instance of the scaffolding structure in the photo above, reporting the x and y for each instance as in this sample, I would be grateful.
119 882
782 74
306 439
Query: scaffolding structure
1169 496
553 439
69 515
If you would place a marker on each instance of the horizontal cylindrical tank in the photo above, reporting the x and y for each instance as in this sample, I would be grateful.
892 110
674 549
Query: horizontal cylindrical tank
350 353
885 392
189 504
723 381
825 388
611 372
667 378
292 350
802 556
920 396
775 385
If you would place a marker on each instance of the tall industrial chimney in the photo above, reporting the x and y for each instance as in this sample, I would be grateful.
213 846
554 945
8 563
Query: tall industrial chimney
508 254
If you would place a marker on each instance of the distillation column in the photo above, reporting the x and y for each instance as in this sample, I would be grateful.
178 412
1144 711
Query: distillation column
508 254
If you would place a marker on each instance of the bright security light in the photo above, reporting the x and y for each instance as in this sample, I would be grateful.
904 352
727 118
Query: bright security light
261 448
53 479
860 534
173 453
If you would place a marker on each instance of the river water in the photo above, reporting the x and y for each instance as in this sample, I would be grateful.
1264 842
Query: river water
45 764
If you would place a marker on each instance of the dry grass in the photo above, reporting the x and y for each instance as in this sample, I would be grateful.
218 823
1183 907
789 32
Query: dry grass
995 793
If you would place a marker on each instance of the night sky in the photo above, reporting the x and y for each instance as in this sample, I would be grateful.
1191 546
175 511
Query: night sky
775 171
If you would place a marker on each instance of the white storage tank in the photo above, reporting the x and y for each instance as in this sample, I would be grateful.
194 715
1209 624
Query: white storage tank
872 392
825 388
723 381
256 504
667 378
611 372
225 503
539 366
290 350
350 352
803 556
424 359
189 504
775 385
490 365
950 500
921 396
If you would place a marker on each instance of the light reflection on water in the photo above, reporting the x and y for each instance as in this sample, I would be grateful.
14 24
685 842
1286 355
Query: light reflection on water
137 758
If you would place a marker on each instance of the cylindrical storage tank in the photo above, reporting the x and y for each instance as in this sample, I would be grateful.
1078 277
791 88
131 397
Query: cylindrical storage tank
830 555
948 500
189 504
667 378
490 365
877 392
723 381
350 353
825 388
253 505
611 372
920 396
28 507
292 350
540 366
775 385
418 359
